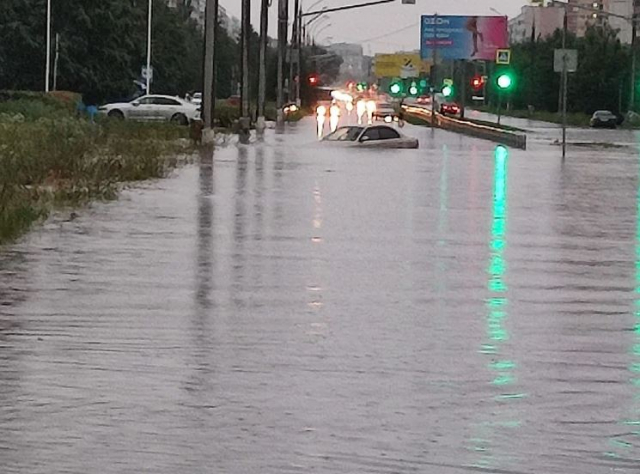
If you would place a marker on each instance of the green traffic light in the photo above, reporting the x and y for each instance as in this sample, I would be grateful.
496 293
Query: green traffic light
447 91
395 88
413 89
505 81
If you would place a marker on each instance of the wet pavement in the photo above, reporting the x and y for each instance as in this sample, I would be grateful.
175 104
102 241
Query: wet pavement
289 307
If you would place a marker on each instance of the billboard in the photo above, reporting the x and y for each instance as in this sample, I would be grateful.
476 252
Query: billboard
463 37
400 65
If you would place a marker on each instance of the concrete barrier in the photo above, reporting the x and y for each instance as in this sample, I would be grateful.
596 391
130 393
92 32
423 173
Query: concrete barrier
505 137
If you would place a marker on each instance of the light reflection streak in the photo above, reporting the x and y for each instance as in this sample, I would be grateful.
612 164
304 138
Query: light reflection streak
631 425
502 368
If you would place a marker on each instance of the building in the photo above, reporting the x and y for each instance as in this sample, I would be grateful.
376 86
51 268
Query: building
580 17
353 65
198 7
585 14
545 20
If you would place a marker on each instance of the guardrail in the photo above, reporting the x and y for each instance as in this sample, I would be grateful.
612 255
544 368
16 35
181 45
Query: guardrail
505 137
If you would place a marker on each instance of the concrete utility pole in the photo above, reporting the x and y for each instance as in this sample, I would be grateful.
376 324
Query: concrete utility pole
245 99
564 85
283 18
293 51
262 72
208 91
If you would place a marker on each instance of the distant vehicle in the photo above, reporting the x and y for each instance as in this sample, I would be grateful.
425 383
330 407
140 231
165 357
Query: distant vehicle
322 96
424 100
385 111
196 98
375 136
604 119
154 108
449 108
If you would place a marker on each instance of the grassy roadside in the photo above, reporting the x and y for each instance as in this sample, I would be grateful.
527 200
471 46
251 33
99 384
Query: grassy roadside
573 119
51 159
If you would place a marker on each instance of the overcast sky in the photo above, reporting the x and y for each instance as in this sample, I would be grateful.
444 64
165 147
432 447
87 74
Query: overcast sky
382 28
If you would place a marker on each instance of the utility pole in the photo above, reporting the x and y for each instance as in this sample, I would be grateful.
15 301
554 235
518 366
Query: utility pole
208 92
47 67
262 69
245 113
293 50
564 85
283 17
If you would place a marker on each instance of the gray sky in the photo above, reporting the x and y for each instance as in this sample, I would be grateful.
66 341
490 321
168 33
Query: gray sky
367 25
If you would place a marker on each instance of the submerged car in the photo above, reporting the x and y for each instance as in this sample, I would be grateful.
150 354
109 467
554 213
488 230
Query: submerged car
374 136
604 119
157 108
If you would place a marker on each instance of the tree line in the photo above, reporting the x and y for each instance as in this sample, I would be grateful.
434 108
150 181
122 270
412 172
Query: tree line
602 81
102 49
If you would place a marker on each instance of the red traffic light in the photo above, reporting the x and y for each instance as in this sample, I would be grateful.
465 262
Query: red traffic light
314 80
477 82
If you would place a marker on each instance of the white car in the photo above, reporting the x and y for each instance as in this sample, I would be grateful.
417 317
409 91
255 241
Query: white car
374 136
158 108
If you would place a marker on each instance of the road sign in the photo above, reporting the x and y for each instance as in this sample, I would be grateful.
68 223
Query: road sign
503 56
144 73
568 55
400 65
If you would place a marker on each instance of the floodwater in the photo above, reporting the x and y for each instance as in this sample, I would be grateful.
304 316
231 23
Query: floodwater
293 308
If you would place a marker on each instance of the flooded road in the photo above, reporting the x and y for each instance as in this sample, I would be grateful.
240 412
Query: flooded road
289 307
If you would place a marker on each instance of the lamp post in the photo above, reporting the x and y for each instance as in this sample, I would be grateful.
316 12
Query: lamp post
149 47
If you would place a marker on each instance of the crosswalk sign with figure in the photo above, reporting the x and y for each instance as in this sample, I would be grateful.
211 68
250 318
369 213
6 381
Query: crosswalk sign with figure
503 56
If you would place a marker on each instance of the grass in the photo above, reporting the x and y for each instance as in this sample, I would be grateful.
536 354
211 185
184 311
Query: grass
49 158
576 119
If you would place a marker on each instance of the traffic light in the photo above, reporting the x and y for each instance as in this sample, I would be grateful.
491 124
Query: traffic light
504 81
413 89
362 86
423 86
314 80
477 83
396 87
447 91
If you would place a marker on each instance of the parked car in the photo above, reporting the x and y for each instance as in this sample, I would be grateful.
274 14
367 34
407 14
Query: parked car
157 108
604 119
375 136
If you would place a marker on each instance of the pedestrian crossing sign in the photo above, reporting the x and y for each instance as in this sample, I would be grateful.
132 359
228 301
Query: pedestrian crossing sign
503 56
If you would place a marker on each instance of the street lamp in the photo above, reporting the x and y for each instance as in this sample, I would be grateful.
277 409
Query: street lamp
47 68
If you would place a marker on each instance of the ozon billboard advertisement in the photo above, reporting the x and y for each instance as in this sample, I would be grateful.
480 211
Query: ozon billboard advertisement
463 37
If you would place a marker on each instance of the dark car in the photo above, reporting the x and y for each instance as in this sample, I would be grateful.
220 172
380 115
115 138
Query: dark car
604 119
449 108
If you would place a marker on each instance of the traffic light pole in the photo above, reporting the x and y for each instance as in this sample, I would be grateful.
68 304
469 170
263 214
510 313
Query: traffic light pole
245 115
434 53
